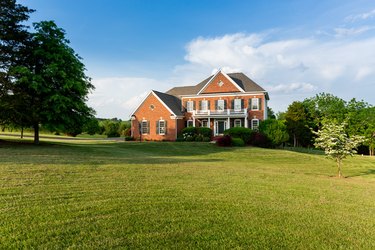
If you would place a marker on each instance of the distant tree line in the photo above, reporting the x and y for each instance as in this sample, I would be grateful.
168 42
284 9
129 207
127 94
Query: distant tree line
304 118
94 126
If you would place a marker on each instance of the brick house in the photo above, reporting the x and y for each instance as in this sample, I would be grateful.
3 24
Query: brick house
219 102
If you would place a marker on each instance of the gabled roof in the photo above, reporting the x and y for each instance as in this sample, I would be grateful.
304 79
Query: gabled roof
240 79
170 102
214 76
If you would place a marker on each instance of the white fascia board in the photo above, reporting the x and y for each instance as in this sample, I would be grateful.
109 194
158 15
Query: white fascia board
225 94
144 99
165 105
233 82
213 77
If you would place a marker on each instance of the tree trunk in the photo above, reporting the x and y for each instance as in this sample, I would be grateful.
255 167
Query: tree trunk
339 168
36 133
22 133
294 140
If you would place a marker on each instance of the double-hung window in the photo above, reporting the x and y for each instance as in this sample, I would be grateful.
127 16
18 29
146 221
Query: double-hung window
189 123
237 123
237 104
190 106
254 124
161 127
204 105
255 104
145 127
220 105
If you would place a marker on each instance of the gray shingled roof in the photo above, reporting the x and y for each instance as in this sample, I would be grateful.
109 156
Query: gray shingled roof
241 79
171 101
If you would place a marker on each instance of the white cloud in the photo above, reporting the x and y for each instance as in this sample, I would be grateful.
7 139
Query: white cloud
361 16
288 67
291 88
119 96
343 32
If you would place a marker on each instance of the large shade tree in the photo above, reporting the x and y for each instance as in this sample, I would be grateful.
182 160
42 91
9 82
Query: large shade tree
53 84
14 46
42 79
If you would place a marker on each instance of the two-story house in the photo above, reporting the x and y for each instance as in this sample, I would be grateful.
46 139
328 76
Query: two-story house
219 102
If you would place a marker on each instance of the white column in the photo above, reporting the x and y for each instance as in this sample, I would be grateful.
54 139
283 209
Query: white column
246 122
214 127
209 122
228 123
193 122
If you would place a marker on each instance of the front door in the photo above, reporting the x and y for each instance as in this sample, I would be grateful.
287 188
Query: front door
220 127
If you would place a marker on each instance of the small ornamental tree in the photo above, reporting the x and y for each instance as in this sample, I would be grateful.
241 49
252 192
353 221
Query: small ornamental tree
336 143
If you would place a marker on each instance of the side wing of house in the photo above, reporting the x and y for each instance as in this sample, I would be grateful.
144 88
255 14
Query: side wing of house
154 119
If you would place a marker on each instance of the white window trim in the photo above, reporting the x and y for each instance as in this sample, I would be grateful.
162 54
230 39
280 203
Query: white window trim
236 120
142 127
252 124
203 125
257 102
204 107
220 103
189 121
160 133
237 104
189 106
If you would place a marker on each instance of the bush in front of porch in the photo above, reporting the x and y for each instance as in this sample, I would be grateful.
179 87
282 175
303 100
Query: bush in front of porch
240 132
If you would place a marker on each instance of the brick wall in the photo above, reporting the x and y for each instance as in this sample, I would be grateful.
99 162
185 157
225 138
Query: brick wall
153 110
225 86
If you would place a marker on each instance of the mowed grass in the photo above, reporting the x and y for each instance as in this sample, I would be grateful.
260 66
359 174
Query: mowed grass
181 195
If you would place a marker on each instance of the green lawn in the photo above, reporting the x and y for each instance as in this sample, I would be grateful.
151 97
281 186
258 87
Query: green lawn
181 195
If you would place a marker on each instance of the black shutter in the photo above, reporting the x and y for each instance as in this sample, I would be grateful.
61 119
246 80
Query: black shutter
208 105
250 107
225 104
232 104
200 105
193 105
260 103
216 105
242 103
157 127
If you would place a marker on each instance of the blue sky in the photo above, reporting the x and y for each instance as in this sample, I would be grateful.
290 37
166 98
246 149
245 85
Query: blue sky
294 49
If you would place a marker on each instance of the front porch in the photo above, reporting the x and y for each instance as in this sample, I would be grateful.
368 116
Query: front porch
219 125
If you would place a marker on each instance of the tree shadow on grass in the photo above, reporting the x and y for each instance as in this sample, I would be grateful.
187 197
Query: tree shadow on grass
364 173
108 153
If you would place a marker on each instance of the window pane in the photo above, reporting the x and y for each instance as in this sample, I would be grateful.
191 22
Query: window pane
237 123
161 127
237 104
255 124
220 105
255 103
144 127
204 105
189 106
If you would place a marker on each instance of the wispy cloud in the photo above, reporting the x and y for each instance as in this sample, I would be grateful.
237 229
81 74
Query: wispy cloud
361 16
344 32
292 88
